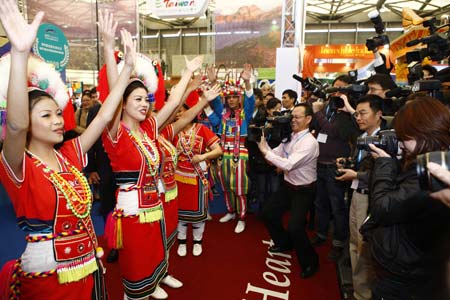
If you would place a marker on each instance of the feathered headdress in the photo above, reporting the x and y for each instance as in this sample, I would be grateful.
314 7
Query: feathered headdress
40 75
144 71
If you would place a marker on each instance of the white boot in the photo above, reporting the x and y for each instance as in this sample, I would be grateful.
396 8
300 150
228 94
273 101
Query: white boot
227 217
172 282
197 250
182 251
159 293
240 226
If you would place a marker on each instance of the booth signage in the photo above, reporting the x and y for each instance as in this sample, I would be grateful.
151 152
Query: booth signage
340 51
179 8
51 45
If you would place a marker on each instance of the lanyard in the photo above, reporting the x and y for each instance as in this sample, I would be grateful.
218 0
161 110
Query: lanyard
298 139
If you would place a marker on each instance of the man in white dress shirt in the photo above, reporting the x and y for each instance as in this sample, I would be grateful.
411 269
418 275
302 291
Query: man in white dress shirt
298 159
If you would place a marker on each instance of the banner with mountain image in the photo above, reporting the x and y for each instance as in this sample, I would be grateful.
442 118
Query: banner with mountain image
248 31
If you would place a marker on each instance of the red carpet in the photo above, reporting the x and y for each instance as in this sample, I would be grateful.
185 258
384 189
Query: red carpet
238 266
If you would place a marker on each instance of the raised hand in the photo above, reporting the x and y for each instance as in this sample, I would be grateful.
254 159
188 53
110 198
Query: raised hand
212 93
194 83
211 74
129 48
107 27
247 72
194 64
20 34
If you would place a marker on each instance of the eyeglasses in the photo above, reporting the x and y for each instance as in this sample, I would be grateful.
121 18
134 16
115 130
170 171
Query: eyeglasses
361 113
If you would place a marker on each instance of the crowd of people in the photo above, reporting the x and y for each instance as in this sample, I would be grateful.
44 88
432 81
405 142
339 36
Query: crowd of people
348 170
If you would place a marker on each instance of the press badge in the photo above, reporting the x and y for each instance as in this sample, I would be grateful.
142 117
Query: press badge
322 138
355 183
203 166
161 187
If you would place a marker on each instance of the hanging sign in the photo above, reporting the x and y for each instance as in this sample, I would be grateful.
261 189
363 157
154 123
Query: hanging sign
178 8
51 45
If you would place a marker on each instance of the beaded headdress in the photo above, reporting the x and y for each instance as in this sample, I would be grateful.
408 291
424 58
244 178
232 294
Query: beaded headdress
40 75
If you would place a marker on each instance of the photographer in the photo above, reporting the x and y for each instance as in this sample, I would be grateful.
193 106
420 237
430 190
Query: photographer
406 228
369 118
380 84
336 131
263 178
297 158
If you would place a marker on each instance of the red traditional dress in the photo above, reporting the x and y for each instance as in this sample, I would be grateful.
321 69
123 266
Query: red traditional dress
169 159
193 191
54 209
139 217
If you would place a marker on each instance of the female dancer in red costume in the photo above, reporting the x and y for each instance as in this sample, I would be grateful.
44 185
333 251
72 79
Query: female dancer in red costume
131 143
196 144
51 197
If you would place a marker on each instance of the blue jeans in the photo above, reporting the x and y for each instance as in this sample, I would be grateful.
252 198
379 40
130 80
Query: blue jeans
267 183
330 202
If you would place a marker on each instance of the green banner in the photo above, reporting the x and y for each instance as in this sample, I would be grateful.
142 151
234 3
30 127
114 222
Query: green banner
51 45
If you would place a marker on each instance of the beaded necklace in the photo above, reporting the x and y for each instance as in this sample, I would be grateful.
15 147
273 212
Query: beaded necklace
152 159
79 205
171 149
187 145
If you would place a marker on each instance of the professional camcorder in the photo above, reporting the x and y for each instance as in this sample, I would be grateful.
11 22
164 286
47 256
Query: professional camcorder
277 128
427 181
385 139
315 86
438 43
381 39
354 90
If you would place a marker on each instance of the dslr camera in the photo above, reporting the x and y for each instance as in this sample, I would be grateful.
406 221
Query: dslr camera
385 139
346 163
427 181
381 39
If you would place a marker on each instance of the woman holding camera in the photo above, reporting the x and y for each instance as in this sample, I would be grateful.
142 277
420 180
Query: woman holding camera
407 228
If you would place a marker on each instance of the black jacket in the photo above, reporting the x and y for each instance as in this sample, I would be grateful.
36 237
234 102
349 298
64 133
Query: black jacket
408 227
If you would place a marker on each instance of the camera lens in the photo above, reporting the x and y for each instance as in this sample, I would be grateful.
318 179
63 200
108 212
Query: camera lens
427 181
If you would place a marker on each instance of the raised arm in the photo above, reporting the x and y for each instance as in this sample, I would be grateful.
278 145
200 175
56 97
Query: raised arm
190 114
107 112
249 99
176 95
192 85
107 27
21 36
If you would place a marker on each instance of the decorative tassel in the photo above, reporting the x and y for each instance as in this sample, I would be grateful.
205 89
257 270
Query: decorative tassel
76 270
185 179
171 194
119 237
110 229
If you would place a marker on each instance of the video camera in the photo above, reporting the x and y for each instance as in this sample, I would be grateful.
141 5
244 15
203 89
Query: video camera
438 44
381 39
277 129
355 91
315 86
427 181
385 139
